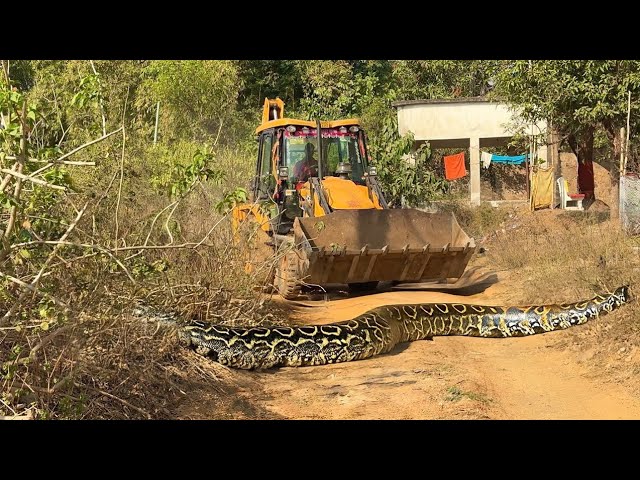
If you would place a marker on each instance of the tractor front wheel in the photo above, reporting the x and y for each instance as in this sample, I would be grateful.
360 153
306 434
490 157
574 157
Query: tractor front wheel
286 276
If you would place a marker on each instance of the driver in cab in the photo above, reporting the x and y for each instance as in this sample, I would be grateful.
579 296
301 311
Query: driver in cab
308 166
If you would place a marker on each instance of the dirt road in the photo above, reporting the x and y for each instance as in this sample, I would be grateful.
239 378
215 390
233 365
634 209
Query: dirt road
446 378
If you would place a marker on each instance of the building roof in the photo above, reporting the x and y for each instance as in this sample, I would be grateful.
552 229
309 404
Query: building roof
402 103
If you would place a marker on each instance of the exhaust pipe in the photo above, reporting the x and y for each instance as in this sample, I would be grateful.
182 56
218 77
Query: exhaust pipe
320 152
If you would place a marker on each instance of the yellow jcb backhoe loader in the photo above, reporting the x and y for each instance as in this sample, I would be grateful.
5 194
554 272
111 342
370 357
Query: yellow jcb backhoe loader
316 198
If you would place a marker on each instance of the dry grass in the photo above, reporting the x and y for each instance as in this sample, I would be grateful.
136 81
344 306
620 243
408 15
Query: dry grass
96 360
553 256
478 221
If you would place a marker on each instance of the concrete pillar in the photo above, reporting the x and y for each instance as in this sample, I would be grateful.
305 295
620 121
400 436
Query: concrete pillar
553 157
474 164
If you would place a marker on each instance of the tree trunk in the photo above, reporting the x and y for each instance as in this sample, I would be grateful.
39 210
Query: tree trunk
553 157
582 146
616 137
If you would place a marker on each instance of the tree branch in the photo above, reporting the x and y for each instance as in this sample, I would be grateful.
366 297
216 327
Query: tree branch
29 287
32 287
18 188
63 162
146 240
66 155
166 223
30 178
104 120
73 224
121 400
124 139
5 70
7 178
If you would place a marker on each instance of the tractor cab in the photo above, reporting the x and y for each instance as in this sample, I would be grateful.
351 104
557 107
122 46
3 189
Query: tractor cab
305 177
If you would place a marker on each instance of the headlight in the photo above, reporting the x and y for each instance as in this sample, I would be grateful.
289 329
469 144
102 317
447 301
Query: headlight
373 171
283 172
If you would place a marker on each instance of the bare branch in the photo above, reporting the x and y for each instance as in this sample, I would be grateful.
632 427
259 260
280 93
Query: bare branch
17 281
7 178
31 288
68 162
75 150
83 245
104 120
16 191
210 231
106 250
146 240
47 339
31 179
52 390
124 139
66 155
121 400
215 142
28 416
63 162
173 205
166 223
53 253
5 69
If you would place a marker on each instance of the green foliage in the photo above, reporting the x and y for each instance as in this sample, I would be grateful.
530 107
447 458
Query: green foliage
403 181
196 96
173 170
577 96
412 79
572 93
231 199
185 176
329 88
268 78
7 201
143 269
336 89
12 105
88 91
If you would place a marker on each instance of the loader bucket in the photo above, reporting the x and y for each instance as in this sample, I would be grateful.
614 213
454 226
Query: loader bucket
353 246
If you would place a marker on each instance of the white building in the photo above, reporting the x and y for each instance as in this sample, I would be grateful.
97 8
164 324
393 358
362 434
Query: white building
471 123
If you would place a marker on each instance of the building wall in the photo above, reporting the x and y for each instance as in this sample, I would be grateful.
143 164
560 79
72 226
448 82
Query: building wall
443 121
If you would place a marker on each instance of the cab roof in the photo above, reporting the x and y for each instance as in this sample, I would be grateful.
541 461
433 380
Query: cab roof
282 122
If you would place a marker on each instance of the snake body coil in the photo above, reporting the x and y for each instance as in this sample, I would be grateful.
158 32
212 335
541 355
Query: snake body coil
379 330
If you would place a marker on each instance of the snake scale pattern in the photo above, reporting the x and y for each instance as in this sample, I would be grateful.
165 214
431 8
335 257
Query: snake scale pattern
378 330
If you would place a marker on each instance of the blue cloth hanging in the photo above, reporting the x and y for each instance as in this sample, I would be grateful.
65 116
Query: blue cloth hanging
512 160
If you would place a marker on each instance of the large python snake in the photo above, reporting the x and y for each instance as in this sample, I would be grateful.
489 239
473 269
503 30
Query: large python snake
379 330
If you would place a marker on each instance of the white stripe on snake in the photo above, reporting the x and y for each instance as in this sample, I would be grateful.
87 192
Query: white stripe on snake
379 330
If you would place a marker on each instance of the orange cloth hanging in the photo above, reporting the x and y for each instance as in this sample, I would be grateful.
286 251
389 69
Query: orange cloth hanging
454 167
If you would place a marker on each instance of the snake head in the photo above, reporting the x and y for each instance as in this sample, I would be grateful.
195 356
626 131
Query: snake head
622 295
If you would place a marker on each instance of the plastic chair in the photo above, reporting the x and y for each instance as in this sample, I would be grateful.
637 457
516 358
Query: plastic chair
569 201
